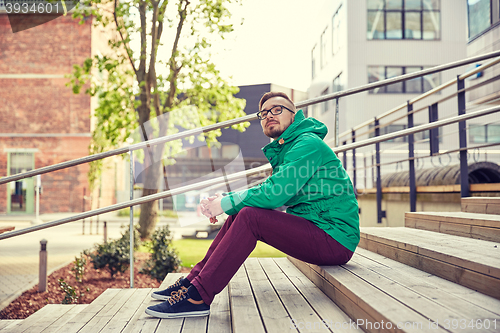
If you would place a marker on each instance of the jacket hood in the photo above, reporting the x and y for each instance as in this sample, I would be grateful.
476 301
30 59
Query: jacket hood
301 125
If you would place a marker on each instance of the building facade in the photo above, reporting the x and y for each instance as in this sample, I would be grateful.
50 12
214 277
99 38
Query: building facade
364 41
41 121
483 32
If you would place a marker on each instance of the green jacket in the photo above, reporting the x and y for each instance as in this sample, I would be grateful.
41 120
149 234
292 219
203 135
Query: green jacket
309 178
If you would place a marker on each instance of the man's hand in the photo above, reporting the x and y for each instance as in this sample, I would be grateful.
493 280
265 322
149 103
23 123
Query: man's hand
211 207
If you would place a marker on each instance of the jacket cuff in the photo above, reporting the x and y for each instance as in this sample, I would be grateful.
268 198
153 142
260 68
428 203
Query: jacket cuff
228 206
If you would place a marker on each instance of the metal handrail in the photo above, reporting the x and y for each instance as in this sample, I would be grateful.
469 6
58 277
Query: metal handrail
249 117
138 201
245 173
424 95
416 129
454 94
127 149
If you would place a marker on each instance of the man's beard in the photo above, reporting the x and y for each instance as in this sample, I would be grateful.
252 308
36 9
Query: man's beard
276 132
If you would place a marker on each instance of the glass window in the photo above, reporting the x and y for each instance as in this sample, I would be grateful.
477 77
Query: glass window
394 4
338 84
20 189
408 19
431 81
336 30
394 27
431 5
393 72
477 134
324 105
413 28
376 73
313 62
413 4
413 86
479 16
376 25
323 49
493 133
432 24
375 4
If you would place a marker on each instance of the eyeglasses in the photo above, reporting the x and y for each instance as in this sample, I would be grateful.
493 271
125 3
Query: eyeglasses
275 110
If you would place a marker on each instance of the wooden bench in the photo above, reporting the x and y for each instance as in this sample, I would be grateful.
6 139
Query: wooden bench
384 294
469 262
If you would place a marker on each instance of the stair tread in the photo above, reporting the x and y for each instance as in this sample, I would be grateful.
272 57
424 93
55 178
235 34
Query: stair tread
495 200
415 294
385 290
447 293
472 218
478 255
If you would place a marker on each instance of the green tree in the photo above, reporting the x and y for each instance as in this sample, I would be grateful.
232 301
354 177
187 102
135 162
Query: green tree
130 89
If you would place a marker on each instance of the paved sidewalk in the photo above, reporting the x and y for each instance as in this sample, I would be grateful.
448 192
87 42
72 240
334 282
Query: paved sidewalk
19 255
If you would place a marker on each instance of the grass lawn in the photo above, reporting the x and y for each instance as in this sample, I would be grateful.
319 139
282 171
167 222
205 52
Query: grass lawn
191 251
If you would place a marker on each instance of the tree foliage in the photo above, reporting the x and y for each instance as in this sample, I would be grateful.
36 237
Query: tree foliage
158 61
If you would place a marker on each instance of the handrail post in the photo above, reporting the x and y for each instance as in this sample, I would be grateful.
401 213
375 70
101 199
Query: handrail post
83 209
462 136
42 268
365 171
344 156
433 133
380 213
337 122
411 160
353 134
131 227
105 232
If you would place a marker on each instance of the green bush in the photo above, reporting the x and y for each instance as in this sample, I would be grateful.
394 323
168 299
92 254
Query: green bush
114 255
164 258
78 268
70 294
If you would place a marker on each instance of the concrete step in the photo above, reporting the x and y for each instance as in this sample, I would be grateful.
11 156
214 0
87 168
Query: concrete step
482 205
472 263
383 295
472 225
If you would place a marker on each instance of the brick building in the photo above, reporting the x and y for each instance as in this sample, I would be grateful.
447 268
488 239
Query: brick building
41 121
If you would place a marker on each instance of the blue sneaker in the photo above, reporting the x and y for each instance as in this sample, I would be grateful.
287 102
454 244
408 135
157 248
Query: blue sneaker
163 295
180 304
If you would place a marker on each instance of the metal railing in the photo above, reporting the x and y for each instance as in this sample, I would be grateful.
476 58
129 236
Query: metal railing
461 118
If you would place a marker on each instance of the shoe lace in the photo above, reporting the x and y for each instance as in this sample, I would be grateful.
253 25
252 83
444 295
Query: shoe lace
177 283
176 296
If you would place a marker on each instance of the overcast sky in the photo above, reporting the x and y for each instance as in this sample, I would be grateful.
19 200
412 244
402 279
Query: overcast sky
273 45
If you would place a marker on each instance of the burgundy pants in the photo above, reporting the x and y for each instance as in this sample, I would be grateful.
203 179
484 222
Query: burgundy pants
237 238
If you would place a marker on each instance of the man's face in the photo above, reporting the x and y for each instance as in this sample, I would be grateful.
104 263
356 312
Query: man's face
273 126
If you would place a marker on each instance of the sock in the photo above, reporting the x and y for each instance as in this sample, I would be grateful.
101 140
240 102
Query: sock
185 282
193 293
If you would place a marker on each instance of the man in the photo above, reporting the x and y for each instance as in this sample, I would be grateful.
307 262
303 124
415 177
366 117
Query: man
320 226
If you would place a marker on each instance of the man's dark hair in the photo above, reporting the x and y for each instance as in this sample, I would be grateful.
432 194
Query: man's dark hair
272 94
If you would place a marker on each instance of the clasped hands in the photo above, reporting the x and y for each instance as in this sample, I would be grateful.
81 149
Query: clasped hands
211 207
